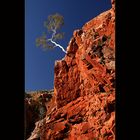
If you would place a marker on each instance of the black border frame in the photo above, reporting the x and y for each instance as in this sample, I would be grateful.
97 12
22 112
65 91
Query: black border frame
127 70
12 66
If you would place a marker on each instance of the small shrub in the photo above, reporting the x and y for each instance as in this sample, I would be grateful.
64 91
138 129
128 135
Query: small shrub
42 112
100 42
96 34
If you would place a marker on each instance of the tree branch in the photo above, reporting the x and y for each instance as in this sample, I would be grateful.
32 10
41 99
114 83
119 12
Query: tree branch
53 42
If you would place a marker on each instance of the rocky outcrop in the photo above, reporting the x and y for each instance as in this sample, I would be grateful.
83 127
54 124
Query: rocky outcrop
89 65
83 105
85 118
35 108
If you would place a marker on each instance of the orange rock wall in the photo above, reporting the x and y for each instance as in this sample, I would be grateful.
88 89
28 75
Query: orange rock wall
83 105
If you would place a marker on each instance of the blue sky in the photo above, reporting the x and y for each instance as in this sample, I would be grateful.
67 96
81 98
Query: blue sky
39 64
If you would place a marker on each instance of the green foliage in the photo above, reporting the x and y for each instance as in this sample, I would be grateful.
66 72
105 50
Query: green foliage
42 41
100 42
96 34
54 22
58 36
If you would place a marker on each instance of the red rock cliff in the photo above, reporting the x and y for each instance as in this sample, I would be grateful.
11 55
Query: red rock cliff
83 105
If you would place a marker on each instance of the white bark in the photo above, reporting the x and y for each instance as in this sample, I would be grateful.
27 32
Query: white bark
56 44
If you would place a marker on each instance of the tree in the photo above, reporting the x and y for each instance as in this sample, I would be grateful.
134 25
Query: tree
53 25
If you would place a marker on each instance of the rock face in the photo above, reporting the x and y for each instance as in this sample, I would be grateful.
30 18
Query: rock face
89 66
83 105
35 108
